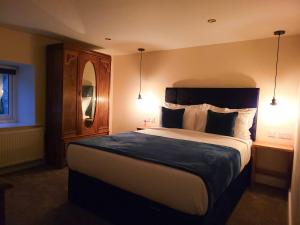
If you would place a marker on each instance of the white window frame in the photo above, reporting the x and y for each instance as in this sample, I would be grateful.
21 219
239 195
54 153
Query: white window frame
11 116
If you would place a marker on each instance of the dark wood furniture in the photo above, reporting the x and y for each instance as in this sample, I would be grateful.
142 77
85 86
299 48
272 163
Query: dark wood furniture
64 114
285 151
3 188
123 207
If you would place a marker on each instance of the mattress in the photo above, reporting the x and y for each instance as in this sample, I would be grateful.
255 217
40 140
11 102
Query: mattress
172 187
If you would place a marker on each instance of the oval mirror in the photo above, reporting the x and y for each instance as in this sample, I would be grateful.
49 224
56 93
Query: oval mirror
88 97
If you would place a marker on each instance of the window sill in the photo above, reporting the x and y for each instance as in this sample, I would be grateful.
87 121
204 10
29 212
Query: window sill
16 125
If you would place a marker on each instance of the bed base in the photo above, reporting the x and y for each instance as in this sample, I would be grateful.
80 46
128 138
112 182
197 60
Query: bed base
122 207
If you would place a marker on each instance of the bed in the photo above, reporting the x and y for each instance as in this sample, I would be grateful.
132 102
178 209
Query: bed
129 190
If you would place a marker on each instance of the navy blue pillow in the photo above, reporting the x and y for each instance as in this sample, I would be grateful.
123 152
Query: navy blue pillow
221 123
172 118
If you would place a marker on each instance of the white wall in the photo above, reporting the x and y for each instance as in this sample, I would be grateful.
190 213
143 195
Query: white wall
295 190
24 94
240 64
24 48
28 52
25 81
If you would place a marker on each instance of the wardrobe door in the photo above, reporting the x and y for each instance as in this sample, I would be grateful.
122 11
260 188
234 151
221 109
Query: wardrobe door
103 105
88 99
69 118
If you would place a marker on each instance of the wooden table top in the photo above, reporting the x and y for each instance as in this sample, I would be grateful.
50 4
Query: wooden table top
282 147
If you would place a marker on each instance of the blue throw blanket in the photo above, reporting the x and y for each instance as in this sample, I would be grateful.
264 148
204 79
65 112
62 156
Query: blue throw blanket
217 165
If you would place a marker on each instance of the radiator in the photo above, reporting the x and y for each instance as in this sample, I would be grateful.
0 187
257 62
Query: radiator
21 145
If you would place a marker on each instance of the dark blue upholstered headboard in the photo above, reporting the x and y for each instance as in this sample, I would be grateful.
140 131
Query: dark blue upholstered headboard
222 97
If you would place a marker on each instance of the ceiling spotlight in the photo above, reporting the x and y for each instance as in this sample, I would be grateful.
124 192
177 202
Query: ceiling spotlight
108 39
211 20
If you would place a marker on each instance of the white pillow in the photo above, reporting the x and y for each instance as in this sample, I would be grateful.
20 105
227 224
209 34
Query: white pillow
189 116
244 122
173 106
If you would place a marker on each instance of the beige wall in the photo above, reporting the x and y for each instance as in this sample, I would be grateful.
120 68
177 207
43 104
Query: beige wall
25 48
295 190
240 64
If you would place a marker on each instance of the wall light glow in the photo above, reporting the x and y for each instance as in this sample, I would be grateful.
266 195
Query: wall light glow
148 106
283 113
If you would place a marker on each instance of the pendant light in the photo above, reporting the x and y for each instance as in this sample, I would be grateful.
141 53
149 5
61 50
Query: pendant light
277 33
141 50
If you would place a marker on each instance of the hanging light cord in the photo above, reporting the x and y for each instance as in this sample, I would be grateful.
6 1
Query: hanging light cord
141 58
274 93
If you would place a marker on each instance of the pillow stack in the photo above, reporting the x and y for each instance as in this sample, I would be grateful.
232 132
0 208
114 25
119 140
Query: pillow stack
212 119
189 116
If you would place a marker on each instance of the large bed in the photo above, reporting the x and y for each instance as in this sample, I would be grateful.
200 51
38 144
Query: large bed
131 190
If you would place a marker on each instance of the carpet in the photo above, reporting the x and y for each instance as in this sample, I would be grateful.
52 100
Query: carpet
39 197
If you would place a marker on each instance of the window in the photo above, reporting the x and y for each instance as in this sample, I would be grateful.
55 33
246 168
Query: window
7 94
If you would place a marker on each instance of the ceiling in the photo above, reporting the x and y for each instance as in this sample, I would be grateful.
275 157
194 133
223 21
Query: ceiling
153 24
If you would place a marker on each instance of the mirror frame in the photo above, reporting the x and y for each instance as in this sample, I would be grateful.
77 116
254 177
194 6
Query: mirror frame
83 59
88 122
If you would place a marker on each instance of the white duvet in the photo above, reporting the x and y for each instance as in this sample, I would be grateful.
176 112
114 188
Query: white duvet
174 188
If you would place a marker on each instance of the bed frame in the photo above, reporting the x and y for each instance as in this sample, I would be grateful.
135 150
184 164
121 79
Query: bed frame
122 207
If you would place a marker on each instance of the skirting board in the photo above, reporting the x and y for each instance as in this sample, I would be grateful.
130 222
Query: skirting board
19 167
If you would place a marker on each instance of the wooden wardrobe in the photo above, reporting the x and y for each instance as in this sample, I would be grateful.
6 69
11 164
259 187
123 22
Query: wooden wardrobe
77 101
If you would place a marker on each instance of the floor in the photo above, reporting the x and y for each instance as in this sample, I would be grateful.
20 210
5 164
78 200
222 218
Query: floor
39 197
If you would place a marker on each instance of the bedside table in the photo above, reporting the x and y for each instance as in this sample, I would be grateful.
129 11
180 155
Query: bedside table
283 171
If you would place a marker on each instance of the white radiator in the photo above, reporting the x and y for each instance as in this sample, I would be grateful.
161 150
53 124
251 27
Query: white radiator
21 145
